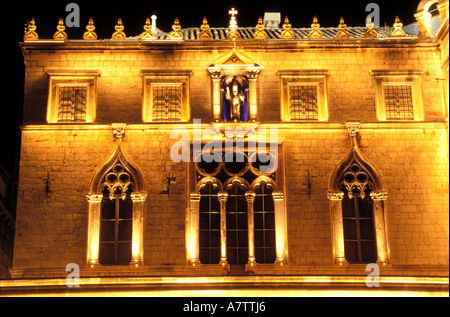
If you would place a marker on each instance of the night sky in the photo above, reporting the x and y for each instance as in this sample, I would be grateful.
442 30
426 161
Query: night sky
134 13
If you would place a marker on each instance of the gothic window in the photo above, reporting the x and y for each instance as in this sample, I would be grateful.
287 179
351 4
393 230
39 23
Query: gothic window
236 211
357 203
236 219
359 229
116 230
209 224
72 103
116 218
264 215
358 220
398 102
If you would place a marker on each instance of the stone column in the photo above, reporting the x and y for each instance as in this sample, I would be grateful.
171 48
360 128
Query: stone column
380 228
95 206
337 227
194 229
223 196
250 197
280 228
253 96
216 77
137 249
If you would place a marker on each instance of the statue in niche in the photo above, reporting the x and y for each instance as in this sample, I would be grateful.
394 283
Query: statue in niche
235 103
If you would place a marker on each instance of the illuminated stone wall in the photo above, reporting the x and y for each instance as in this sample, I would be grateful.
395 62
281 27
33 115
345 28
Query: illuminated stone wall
412 158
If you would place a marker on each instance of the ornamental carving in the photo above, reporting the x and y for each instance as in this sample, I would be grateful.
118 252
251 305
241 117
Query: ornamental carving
118 176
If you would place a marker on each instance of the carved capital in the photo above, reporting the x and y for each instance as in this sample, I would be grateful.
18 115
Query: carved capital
278 195
250 196
335 196
252 74
194 197
379 196
94 198
222 196
139 197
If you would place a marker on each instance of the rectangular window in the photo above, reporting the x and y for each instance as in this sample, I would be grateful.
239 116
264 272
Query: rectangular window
167 102
72 96
166 96
304 95
303 103
72 103
398 95
398 102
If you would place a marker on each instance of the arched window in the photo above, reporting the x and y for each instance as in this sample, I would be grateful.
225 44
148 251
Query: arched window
116 226
357 203
359 228
237 223
264 219
116 212
209 217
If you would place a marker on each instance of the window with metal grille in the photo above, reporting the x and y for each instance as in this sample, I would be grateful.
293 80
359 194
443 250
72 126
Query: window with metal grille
359 229
303 103
264 222
72 103
167 102
398 102
209 225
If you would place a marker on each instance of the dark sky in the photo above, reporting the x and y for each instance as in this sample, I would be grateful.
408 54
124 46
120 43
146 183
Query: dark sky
133 13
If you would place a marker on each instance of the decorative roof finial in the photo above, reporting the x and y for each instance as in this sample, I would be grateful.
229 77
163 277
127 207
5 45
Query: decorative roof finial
260 34
30 31
233 33
287 32
60 35
90 34
205 34
315 32
147 34
342 33
370 33
119 34
398 28
176 34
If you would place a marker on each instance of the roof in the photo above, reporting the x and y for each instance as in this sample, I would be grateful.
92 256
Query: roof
247 33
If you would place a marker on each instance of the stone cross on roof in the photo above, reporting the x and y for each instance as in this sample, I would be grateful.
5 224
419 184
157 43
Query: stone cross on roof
233 23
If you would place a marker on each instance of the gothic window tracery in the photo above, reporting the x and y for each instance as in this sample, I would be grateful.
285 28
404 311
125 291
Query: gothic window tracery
239 183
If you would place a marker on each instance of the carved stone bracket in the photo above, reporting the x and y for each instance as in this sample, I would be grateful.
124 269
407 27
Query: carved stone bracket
353 127
119 130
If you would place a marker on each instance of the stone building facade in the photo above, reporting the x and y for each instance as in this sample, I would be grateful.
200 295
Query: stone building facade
361 150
